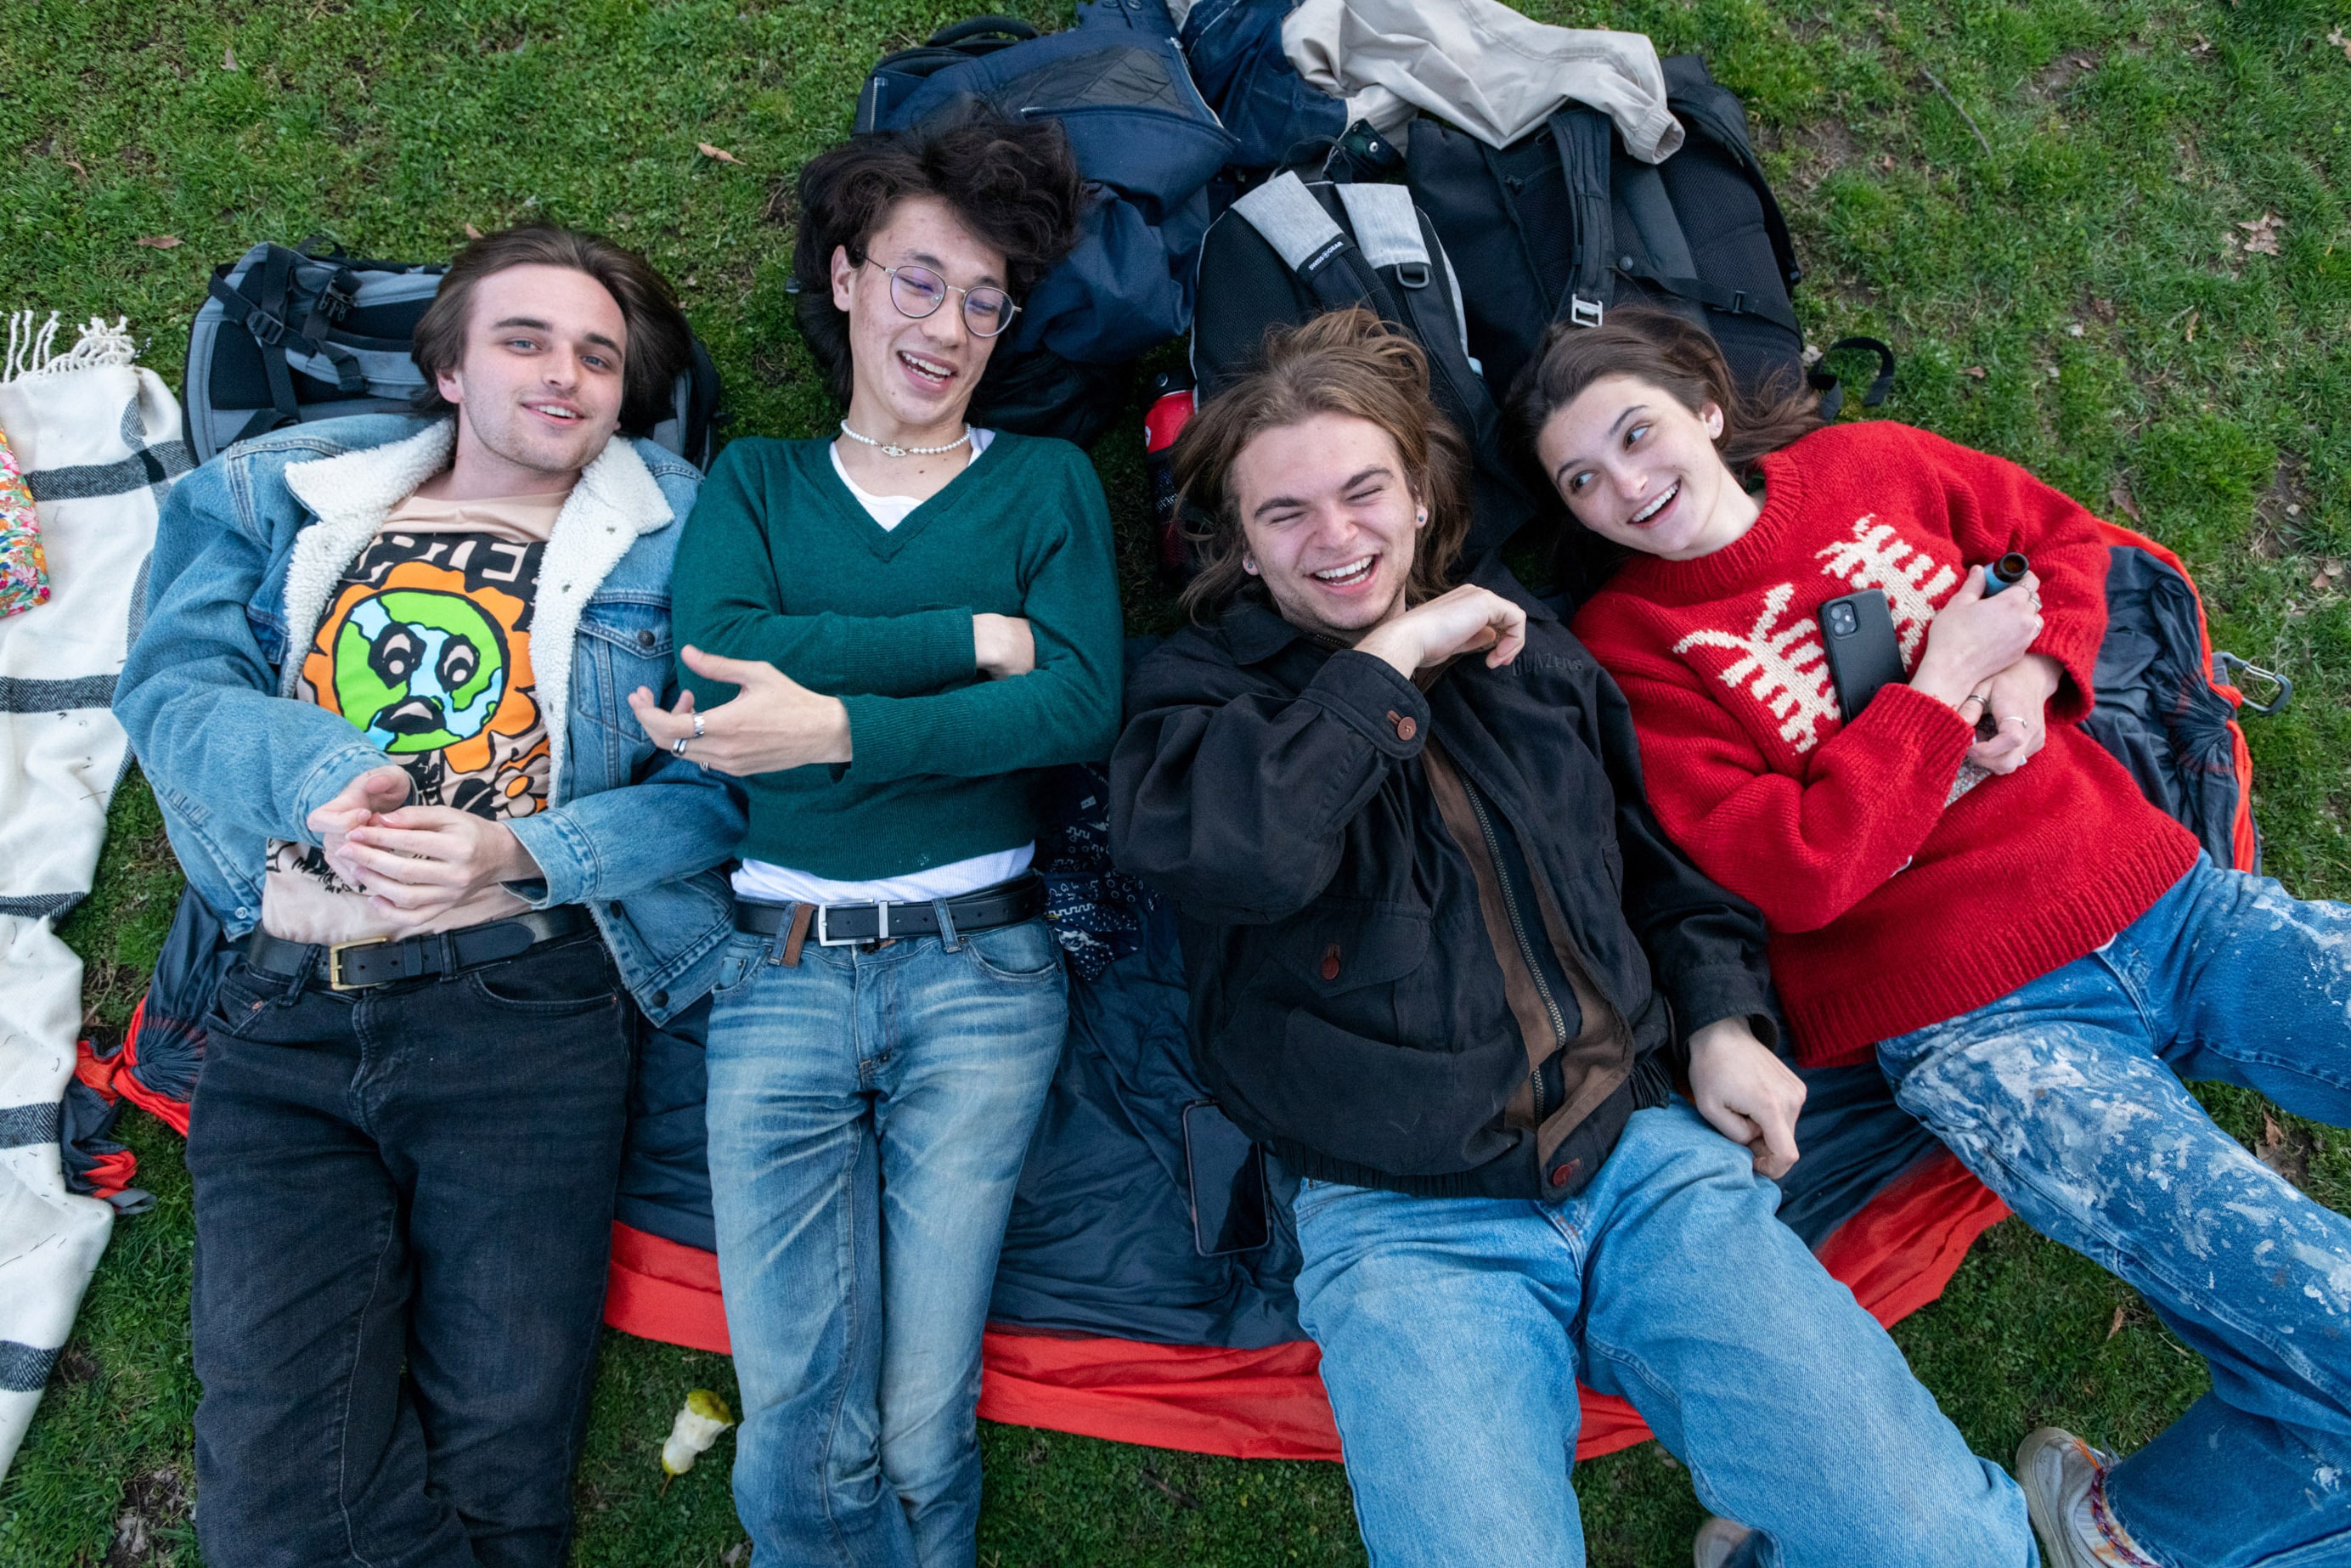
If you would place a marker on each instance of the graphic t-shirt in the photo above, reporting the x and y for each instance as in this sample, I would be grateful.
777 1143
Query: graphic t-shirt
426 649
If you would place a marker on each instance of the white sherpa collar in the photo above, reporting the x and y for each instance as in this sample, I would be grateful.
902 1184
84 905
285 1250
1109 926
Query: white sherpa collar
616 500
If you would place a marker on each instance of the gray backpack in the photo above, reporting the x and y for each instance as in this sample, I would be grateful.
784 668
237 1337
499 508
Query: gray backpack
291 336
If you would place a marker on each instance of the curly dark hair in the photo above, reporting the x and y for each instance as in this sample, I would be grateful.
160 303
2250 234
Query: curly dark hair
1346 362
660 345
1014 183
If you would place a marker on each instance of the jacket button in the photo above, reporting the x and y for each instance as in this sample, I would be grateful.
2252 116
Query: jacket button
1406 726
659 999
644 639
1331 962
1561 1174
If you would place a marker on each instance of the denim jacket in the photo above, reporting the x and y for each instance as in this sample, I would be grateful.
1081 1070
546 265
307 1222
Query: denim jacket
247 554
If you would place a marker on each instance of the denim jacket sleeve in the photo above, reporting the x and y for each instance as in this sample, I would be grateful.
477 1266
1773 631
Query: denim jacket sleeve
647 817
671 819
198 694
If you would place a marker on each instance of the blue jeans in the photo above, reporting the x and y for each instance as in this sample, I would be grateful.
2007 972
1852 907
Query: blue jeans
1453 1330
868 1114
2064 1097
403 1211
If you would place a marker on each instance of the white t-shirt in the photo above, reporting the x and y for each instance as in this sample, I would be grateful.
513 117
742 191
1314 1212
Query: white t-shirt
768 882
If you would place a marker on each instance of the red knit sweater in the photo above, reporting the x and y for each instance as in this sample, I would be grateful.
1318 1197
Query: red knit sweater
1889 911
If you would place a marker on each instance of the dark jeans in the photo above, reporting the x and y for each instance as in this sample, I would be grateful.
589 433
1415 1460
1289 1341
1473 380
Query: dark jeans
404 1206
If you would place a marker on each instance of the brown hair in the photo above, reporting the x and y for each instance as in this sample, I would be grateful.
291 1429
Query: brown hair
660 344
1014 183
1680 358
1676 357
1348 361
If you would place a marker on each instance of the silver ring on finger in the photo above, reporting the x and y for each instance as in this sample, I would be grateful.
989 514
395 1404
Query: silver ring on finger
698 727
2015 718
677 747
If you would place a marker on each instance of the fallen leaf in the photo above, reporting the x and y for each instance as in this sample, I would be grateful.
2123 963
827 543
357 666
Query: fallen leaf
1978 371
2116 1326
473 232
75 164
2275 1150
2262 234
2335 568
228 58
2319 581
2074 331
160 242
707 150
1886 162
2202 45
2340 42
2125 502
2193 316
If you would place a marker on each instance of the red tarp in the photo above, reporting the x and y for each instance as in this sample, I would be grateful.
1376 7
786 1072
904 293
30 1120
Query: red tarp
1898 1254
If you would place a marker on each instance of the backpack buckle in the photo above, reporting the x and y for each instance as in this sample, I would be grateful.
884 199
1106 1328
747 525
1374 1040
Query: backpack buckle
1583 312
1413 274
266 328
336 301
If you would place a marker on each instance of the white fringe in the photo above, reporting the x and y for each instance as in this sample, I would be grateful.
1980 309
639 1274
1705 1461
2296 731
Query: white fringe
32 347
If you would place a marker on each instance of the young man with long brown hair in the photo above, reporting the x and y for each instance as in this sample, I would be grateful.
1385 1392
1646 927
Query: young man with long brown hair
1445 964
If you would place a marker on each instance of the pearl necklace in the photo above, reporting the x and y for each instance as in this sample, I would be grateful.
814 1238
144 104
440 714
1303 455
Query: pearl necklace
893 451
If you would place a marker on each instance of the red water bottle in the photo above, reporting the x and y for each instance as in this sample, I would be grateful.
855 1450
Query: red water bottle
1171 407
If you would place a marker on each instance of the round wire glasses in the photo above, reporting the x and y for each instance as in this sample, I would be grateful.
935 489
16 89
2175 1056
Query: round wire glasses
917 292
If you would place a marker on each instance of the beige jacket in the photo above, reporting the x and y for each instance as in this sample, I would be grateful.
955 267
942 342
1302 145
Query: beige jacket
1479 65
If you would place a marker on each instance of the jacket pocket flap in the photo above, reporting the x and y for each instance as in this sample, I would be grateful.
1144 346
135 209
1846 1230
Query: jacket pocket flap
1339 945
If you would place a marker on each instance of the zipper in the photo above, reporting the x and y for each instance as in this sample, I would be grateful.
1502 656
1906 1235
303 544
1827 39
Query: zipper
1518 929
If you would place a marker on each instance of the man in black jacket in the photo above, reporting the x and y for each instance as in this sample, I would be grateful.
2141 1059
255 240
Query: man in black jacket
1445 964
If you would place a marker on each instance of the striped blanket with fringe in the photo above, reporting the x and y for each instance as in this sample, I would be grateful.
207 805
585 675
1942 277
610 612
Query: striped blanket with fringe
98 441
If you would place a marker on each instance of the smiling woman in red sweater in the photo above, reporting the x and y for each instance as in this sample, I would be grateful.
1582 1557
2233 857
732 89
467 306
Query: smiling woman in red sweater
2035 954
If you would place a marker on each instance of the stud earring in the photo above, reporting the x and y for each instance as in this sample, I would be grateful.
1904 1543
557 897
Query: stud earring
1249 566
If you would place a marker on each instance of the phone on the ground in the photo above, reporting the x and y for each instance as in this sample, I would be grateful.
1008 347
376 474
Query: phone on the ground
1231 1210
1857 630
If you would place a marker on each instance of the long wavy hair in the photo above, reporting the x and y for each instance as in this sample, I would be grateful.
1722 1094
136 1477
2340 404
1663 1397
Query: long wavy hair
1349 363
1680 360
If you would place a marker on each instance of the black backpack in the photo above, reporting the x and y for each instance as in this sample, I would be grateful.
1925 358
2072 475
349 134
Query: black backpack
1147 145
1563 224
1290 250
291 336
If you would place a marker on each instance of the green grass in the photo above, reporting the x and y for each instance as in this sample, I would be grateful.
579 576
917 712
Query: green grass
2057 276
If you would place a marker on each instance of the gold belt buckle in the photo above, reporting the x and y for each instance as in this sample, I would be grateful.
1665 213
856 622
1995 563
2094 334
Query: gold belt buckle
335 951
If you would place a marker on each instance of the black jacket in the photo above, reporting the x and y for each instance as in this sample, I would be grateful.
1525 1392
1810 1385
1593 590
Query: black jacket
1435 941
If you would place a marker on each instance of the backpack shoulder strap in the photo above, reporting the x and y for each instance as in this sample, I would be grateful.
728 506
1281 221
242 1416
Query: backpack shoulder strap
259 304
1582 137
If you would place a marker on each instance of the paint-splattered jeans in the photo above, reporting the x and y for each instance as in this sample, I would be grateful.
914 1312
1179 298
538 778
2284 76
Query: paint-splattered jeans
2064 1097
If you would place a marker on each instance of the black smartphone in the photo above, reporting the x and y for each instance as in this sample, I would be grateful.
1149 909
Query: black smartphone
1231 1210
1858 630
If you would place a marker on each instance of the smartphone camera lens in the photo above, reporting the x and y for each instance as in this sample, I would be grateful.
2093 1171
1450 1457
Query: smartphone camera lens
1842 619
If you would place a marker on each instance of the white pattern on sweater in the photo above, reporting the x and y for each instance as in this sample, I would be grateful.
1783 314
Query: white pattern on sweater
1790 672
1913 581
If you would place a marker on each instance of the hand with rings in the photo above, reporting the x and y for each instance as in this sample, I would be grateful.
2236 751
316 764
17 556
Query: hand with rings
771 724
2014 725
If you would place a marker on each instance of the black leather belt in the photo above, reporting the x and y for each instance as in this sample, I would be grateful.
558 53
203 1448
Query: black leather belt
381 961
844 924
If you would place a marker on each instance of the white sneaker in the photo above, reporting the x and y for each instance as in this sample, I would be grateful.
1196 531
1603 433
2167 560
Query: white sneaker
2059 1473
1717 1540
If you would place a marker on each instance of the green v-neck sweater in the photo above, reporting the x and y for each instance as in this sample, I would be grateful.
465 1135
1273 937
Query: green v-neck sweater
779 562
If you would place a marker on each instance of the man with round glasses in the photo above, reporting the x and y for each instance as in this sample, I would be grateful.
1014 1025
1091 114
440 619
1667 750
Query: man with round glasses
886 634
